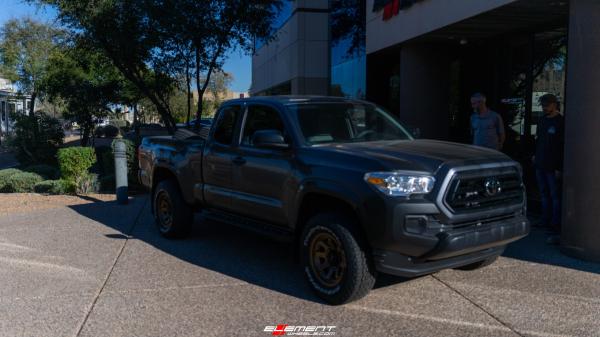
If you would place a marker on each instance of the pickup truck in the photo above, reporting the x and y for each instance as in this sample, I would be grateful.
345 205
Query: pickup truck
344 182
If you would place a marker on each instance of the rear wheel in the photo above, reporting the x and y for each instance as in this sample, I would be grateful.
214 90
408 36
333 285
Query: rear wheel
173 216
479 264
335 264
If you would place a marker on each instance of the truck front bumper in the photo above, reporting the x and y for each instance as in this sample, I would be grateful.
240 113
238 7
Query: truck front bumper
454 248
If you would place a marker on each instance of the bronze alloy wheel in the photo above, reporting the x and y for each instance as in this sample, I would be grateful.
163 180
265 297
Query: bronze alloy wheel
327 259
164 210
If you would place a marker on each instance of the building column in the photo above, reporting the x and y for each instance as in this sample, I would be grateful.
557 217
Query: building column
581 198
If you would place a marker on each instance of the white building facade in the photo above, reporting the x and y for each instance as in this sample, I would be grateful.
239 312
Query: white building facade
11 101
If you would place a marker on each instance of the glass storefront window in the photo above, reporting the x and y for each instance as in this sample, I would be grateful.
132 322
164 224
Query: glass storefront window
348 57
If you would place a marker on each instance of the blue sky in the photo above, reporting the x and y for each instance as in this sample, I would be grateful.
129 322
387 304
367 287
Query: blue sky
238 64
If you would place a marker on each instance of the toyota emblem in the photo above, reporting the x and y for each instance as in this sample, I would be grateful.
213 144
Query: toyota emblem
492 186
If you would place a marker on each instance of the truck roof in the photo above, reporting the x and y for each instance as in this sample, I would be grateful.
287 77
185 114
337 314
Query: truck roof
289 99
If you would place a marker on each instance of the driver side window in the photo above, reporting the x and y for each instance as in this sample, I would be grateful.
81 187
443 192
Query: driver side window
259 118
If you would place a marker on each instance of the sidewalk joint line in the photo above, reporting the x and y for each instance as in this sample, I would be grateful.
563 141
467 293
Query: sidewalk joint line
97 296
497 319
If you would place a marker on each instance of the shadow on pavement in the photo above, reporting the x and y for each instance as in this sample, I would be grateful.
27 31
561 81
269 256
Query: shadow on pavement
221 248
534 248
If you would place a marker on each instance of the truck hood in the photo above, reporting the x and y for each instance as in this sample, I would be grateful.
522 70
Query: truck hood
425 155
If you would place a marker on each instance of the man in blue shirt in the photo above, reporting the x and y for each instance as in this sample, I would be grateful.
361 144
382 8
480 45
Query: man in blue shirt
487 126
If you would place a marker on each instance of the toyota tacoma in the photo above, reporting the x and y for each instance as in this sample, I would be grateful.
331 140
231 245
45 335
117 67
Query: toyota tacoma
344 182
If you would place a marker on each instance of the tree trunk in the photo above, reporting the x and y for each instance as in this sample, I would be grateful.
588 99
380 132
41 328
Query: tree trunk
188 84
136 124
32 105
200 93
85 135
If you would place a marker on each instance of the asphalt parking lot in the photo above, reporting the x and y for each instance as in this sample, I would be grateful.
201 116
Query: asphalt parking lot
100 269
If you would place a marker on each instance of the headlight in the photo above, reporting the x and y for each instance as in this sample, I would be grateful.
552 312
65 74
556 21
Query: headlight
400 184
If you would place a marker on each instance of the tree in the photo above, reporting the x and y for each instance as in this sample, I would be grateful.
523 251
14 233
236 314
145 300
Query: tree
218 86
86 82
153 42
24 48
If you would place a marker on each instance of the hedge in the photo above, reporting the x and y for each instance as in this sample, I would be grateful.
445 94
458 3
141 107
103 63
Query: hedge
20 182
74 162
54 187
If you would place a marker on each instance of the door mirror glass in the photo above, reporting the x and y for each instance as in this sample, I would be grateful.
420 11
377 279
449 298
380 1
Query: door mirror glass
270 139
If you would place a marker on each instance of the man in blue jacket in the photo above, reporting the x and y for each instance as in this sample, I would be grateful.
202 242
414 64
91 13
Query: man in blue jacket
548 162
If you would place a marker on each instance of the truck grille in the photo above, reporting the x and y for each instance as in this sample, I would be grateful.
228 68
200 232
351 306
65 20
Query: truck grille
478 191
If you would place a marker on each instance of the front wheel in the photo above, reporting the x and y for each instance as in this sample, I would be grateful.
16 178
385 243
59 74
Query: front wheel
335 264
173 216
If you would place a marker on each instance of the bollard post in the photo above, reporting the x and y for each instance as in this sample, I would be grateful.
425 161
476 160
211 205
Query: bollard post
120 150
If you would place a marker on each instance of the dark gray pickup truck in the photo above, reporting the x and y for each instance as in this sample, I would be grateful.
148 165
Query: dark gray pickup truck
344 182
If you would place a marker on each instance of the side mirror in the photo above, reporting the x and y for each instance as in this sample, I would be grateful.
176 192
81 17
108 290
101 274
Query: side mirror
269 139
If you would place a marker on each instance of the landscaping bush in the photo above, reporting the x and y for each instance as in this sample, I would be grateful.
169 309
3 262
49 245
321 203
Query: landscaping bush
46 171
54 187
88 184
74 162
5 174
36 138
111 131
20 182
99 132
8 172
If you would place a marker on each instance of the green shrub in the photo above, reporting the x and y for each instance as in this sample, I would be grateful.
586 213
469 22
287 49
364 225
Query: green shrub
88 184
111 131
8 172
36 138
5 174
54 187
46 171
21 182
74 162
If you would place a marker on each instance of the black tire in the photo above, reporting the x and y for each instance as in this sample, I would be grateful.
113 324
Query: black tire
479 264
173 216
353 275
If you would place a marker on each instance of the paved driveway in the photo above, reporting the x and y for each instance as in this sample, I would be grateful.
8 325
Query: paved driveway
100 269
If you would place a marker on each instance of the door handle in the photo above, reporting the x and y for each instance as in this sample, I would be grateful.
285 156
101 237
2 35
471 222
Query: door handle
239 161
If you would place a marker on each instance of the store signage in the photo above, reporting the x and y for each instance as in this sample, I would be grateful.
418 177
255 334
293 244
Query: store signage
391 8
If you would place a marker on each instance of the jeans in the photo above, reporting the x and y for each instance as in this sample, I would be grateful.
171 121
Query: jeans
550 194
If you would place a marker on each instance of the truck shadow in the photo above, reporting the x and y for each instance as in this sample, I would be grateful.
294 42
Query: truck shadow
534 248
220 248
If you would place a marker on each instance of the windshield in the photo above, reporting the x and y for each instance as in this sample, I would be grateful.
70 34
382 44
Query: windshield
346 122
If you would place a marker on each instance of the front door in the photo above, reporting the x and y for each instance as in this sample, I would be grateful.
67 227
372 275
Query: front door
262 176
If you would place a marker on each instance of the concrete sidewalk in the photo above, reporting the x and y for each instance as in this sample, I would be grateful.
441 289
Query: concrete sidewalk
100 269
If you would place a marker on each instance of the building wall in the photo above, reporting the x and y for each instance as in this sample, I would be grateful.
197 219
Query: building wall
298 54
421 18
424 93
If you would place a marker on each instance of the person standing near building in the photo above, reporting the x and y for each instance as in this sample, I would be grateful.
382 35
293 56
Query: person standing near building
487 127
548 161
